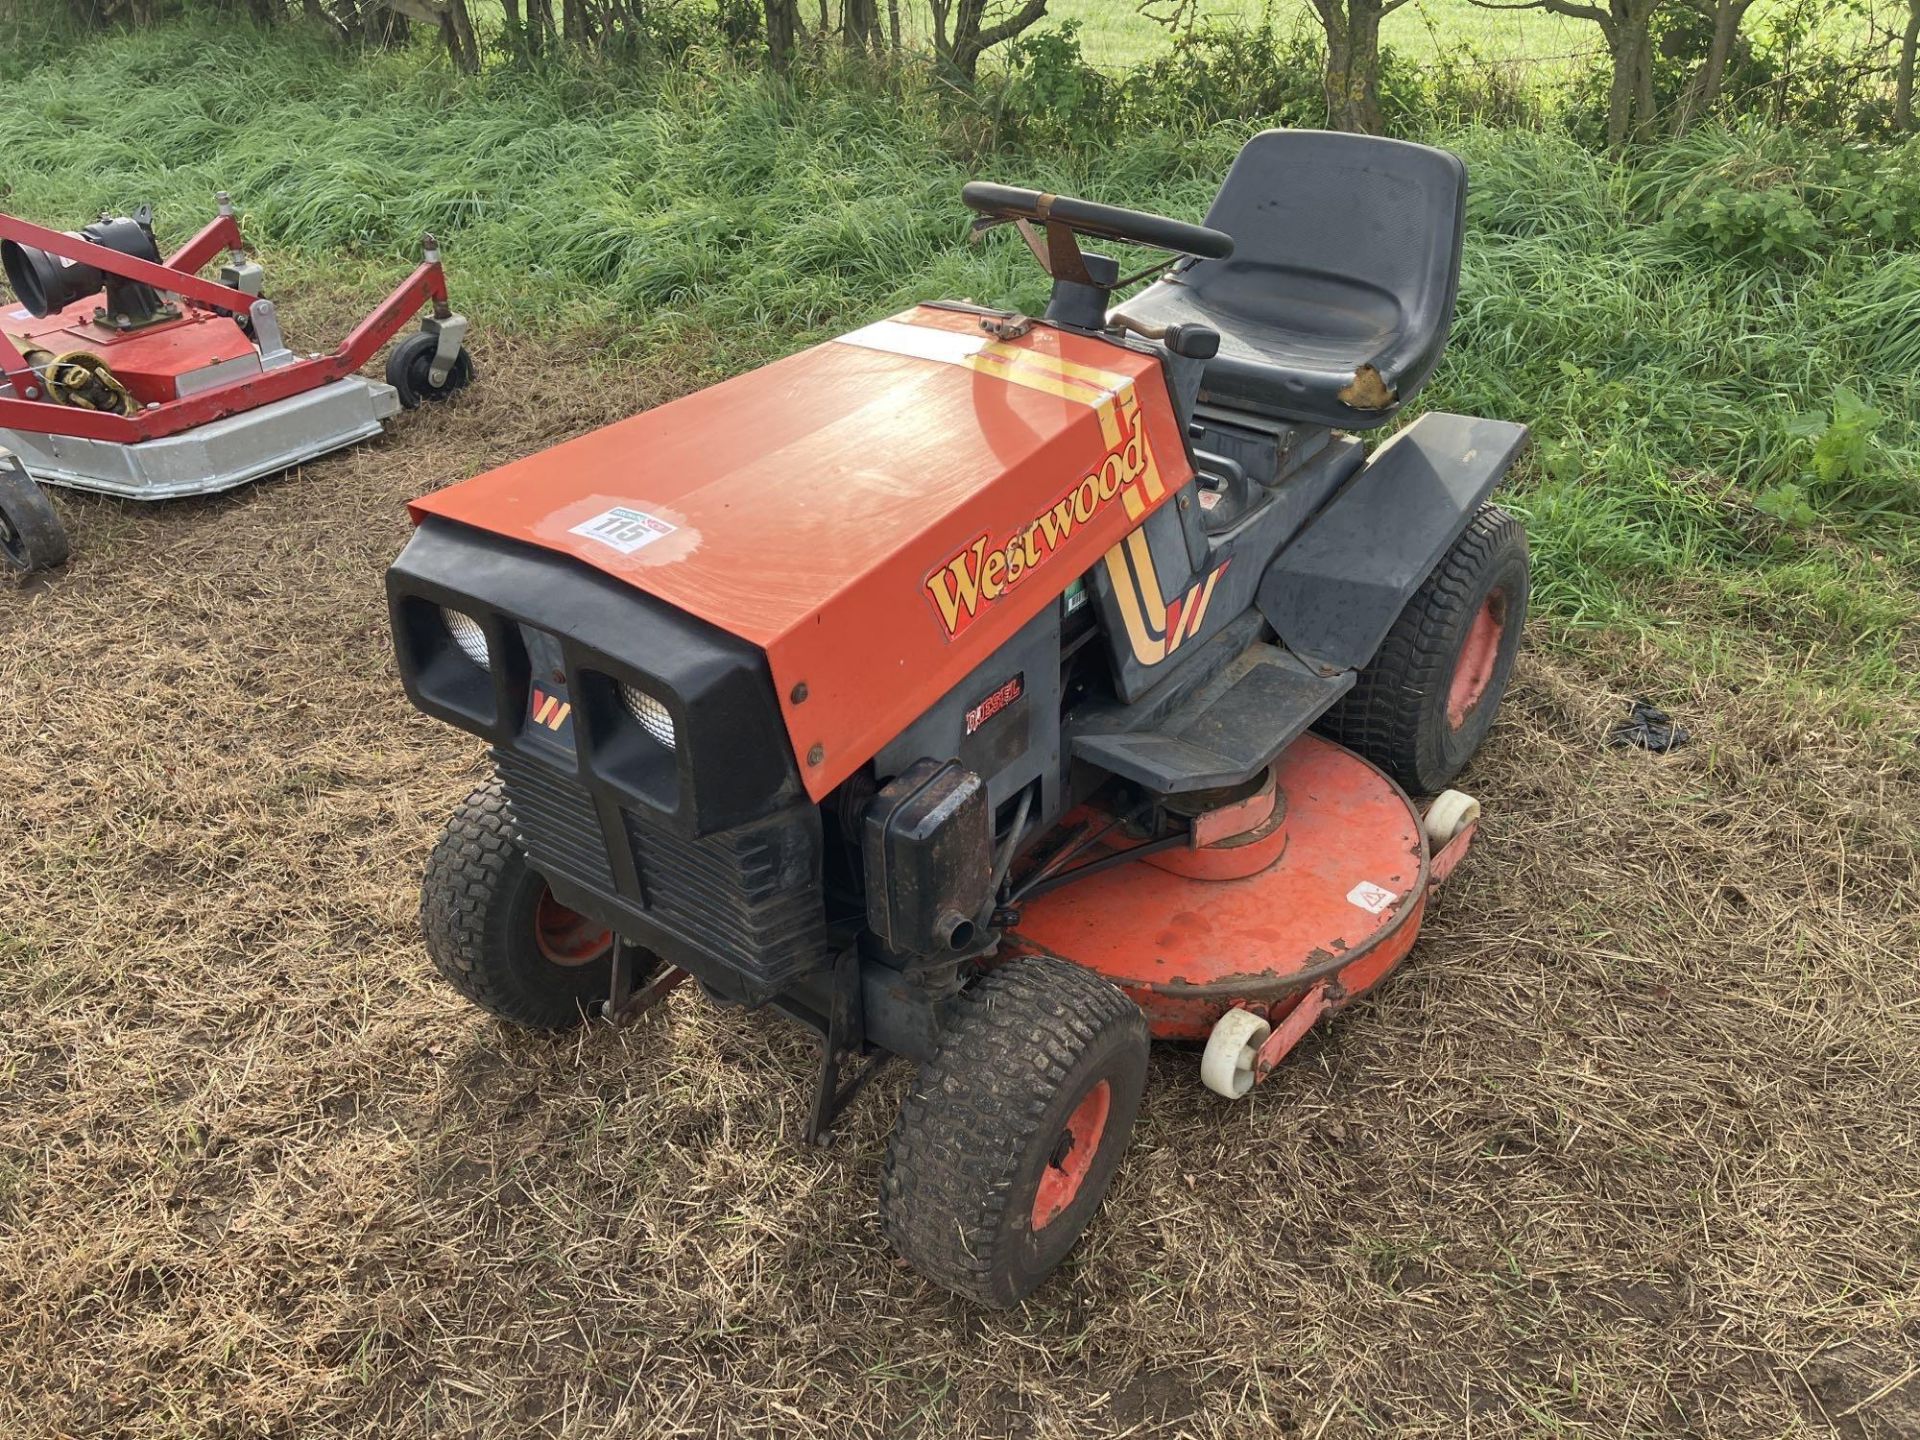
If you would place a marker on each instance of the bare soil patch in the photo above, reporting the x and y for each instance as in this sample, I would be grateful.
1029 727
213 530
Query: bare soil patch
1631 1148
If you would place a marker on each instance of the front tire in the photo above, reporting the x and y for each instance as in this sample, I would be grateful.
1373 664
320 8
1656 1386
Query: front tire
495 931
31 535
1423 705
1012 1132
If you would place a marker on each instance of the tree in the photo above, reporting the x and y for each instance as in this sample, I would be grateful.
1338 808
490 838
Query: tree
1723 37
1703 92
451 19
535 34
1352 79
971 36
783 33
860 24
360 22
1628 28
1903 81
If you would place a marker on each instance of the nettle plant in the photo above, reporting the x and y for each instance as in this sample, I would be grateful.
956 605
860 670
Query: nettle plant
1840 469
1808 206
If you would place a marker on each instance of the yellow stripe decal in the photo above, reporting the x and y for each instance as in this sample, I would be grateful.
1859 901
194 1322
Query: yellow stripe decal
1199 606
1124 590
1016 364
1150 596
1027 379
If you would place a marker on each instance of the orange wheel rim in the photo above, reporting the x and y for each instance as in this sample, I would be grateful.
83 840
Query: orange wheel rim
1072 1157
566 937
1473 668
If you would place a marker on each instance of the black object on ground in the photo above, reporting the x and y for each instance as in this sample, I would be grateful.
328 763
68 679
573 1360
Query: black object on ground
1651 729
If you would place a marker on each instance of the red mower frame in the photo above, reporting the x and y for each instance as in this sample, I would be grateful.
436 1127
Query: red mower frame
23 408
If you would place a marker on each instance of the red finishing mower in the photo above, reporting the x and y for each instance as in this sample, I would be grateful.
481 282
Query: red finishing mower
997 692
132 375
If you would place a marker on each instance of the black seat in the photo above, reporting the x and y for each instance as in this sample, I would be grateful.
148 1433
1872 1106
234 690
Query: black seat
1346 256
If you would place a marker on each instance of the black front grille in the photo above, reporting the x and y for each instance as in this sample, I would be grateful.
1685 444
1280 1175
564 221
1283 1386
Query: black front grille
749 899
558 825
752 896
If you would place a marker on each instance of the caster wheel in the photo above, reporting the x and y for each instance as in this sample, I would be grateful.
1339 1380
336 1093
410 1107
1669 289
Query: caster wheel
31 535
1451 812
410 371
1226 1066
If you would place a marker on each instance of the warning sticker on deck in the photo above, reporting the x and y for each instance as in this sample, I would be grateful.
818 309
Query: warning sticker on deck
1372 898
624 530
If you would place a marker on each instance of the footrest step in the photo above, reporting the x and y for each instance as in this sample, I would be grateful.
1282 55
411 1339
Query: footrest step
1229 730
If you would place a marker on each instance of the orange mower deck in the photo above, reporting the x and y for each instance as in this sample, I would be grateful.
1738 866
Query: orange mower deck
1286 905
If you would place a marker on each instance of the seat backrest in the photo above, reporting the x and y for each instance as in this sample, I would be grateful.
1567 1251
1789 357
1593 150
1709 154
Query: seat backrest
1322 206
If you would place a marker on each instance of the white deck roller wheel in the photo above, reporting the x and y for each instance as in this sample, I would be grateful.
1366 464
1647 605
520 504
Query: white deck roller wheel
1451 812
1226 1067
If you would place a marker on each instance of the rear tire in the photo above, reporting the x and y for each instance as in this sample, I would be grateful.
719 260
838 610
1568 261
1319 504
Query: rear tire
31 535
1424 703
496 933
1012 1132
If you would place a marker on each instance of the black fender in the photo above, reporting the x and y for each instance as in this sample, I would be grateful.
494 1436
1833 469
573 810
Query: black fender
1338 586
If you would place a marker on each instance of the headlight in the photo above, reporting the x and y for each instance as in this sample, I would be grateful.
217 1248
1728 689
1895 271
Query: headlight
467 634
651 714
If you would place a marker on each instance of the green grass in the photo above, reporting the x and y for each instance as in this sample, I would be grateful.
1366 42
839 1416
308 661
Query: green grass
1536 43
1116 32
1124 32
1678 396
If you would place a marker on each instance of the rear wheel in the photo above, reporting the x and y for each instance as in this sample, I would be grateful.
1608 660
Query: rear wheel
495 930
1421 707
1011 1134
31 535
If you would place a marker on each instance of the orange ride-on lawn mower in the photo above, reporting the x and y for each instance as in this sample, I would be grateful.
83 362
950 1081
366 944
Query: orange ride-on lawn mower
130 375
998 692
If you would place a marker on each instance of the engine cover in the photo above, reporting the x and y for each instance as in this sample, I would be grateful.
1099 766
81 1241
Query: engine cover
879 514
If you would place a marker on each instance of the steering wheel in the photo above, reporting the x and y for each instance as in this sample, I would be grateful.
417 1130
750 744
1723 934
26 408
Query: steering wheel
1008 204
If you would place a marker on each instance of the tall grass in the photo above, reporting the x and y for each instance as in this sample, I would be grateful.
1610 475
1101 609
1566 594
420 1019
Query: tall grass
1683 394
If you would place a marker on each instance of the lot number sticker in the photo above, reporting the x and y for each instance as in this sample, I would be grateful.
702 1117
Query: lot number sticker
624 530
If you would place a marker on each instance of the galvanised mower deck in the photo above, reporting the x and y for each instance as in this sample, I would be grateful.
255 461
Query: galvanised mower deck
135 376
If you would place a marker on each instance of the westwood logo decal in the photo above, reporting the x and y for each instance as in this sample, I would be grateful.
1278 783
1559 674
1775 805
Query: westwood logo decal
549 710
990 567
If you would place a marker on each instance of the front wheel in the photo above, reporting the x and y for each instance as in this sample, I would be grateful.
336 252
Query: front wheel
31 535
1422 705
496 932
1012 1132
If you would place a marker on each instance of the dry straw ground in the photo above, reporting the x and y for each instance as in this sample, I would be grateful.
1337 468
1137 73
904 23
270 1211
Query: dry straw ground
1629 1149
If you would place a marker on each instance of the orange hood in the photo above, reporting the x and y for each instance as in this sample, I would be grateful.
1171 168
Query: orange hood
877 514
